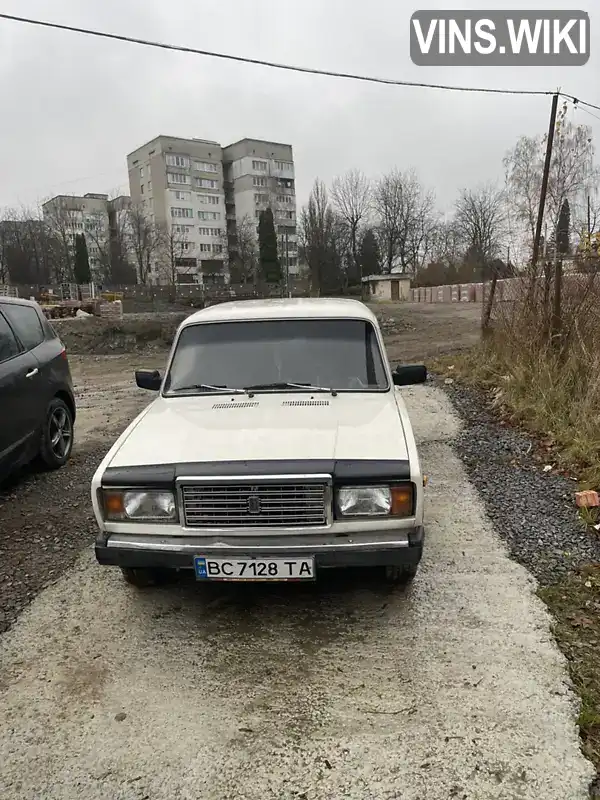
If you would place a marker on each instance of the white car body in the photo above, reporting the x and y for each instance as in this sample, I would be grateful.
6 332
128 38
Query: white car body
286 436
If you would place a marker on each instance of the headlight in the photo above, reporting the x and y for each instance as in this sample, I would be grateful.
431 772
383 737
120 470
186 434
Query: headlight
148 506
375 501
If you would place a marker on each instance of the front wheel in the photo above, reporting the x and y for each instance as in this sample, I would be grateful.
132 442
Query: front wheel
57 435
400 575
140 577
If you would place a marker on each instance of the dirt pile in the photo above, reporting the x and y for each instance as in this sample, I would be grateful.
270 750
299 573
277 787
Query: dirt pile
134 333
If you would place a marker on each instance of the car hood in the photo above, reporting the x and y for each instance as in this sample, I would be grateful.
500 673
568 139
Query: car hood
266 426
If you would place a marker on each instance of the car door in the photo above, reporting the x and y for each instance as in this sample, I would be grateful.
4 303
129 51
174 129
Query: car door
18 402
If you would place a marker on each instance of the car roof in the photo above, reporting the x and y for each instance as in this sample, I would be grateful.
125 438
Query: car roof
18 301
292 308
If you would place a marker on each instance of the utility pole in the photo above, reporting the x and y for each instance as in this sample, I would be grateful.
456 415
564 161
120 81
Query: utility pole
544 189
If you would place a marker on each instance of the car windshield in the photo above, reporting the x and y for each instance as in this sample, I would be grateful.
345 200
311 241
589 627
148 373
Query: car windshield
338 354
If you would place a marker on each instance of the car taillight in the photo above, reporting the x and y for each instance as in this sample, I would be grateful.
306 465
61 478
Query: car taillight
63 353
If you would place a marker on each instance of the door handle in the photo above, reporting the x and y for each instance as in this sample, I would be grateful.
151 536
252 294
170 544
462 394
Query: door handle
32 373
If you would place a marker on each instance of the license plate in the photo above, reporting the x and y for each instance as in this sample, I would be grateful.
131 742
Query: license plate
254 569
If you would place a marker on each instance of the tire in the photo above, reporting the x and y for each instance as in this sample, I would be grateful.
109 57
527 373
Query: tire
400 575
57 435
140 577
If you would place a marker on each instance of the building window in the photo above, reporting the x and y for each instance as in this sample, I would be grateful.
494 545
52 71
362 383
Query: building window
259 181
206 183
287 214
141 172
217 248
204 248
185 246
284 166
292 262
177 161
182 212
209 215
181 195
285 198
149 187
142 188
208 199
182 229
178 177
259 166
205 166
261 198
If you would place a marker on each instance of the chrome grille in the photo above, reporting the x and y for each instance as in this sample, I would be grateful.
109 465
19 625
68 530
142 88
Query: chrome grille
254 505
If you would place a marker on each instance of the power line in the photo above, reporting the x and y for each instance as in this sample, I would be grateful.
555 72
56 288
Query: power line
579 102
595 116
273 64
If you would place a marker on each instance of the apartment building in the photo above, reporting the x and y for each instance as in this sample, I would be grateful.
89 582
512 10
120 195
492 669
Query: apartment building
178 184
196 191
260 174
103 222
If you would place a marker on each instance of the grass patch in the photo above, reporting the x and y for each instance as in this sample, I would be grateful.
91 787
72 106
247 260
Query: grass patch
557 400
575 605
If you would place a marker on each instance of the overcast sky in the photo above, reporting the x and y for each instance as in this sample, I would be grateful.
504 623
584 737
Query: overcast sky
73 106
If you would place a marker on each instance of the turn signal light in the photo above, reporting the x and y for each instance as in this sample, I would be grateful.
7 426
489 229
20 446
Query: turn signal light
113 504
402 501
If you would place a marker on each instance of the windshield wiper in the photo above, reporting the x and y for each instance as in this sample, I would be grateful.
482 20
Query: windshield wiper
288 385
210 387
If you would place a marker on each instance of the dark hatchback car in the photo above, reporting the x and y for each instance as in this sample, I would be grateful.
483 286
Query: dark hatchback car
37 407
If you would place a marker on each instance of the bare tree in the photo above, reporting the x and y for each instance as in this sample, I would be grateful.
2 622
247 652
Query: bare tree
573 176
244 253
97 234
405 220
523 174
25 248
322 242
351 199
480 218
446 243
175 252
480 221
145 242
62 220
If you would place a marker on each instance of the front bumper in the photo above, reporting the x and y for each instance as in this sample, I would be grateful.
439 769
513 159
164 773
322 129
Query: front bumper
399 548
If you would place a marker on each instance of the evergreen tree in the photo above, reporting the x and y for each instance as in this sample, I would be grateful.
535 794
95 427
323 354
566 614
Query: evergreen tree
82 261
369 254
267 243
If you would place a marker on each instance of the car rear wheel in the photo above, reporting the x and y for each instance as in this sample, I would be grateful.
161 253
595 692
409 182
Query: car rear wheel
141 577
57 435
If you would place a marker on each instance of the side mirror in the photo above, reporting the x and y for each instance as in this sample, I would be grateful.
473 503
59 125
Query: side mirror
409 375
148 379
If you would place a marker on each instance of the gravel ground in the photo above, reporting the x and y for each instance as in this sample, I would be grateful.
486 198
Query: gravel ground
533 510
46 517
